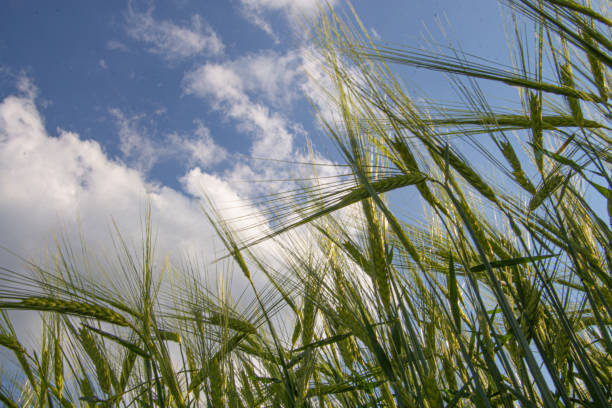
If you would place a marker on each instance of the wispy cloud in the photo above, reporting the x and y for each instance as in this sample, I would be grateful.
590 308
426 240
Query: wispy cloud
115 45
199 147
137 148
51 180
171 41
256 10
142 151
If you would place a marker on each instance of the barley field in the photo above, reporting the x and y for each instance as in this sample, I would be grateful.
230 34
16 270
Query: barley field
500 295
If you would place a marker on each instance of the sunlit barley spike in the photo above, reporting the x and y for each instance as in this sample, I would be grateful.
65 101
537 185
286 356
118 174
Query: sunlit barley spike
382 283
320 390
99 362
448 369
432 391
381 269
216 383
10 342
552 122
537 139
58 366
169 336
568 80
412 165
126 369
68 307
349 321
551 184
219 319
245 390
85 388
472 177
517 169
478 231
596 68
533 302
13 344
345 351
383 186
309 315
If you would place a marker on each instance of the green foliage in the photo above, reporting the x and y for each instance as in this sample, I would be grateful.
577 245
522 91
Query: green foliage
500 296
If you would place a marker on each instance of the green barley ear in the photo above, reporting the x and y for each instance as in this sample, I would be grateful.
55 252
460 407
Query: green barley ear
86 390
411 165
99 361
10 341
537 140
127 344
453 293
567 80
517 170
597 68
550 185
58 362
216 383
126 369
224 320
7 401
47 304
472 177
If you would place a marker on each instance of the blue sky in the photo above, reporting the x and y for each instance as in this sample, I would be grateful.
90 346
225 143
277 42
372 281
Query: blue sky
103 104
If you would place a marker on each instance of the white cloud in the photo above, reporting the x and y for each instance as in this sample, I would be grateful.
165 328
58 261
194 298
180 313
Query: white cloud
142 151
26 86
227 91
137 148
170 41
248 90
255 10
200 148
47 181
102 64
291 5
115 45
274 76
255 92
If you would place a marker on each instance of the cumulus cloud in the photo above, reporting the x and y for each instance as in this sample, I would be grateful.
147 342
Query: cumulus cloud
225 89
275 77
48 181
45 179
247 90
171 41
